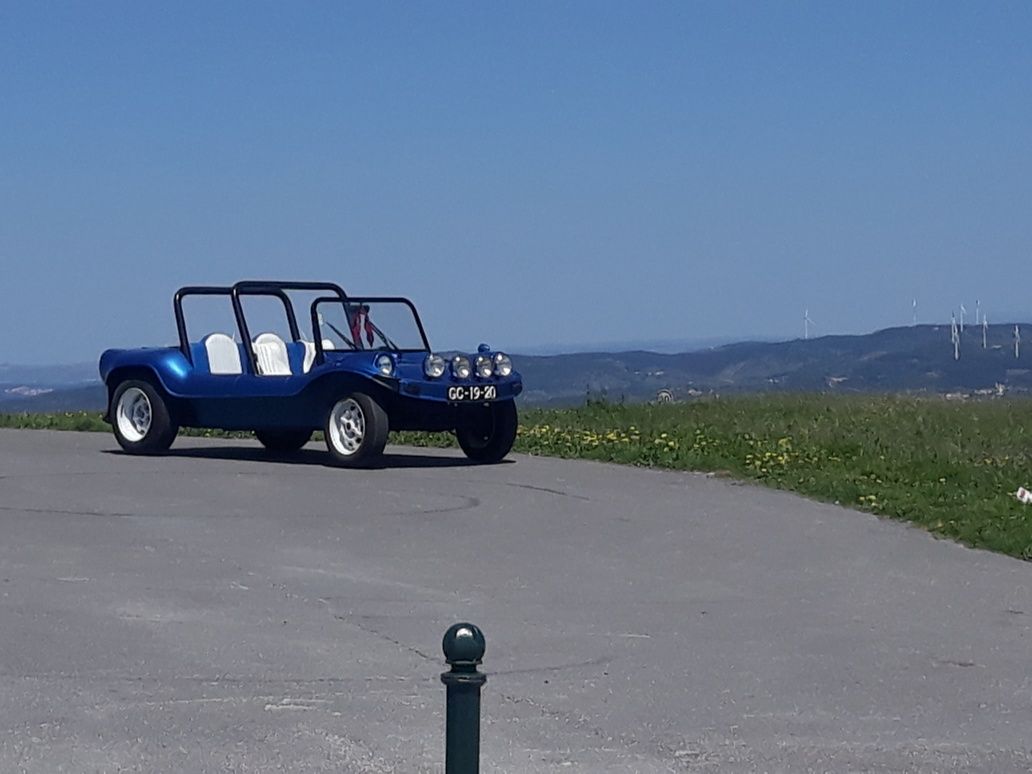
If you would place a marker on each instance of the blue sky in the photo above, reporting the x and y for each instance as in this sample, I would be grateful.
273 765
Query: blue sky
530 174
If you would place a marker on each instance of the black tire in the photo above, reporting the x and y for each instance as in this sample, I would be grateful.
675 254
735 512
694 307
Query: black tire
140 418
487 433
356 431
283 440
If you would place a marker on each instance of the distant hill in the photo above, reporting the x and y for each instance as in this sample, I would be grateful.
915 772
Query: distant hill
665 346
912 359
88 397
39 388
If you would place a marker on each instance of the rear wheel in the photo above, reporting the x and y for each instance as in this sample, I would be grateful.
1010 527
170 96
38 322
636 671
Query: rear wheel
487 433
288 440
356 431
140 418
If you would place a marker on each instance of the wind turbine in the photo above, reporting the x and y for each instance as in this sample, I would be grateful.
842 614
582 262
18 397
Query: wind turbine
955 336
913 306
807 322
978 312
1017 341
985 330
963 312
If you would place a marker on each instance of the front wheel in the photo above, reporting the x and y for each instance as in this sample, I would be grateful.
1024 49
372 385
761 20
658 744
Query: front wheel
283 440
140 418
487 433
356 431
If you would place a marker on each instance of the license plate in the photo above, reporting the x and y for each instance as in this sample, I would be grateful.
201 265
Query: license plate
473 392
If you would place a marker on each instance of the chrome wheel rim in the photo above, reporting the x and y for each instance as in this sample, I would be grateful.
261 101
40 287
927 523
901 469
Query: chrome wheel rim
347 427
133 414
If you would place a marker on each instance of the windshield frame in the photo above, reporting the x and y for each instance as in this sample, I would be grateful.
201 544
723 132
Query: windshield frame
317 330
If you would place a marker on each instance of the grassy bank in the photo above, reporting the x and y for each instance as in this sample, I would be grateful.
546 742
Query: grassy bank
949 467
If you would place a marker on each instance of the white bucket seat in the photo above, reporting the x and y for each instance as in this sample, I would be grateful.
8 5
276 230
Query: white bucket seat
223 354
310 353
271 355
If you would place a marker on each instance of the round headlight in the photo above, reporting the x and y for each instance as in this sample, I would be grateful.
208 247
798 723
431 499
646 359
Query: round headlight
385 364
502 364
484 367
433 366
460 367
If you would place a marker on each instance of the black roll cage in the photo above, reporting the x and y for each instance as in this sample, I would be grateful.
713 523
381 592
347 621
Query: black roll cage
274 288
278 289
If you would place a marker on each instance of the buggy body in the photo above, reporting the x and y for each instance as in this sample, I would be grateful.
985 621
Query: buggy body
339 369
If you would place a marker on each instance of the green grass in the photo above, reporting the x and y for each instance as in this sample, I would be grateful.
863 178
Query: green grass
83 421
950 467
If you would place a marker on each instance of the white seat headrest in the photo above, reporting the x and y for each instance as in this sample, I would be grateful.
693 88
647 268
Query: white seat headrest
309 356
223 354
271 355
310 353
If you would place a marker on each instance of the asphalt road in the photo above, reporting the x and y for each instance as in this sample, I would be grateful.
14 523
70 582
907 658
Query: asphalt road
221 610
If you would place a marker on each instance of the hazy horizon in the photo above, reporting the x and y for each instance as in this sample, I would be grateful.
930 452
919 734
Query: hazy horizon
657 346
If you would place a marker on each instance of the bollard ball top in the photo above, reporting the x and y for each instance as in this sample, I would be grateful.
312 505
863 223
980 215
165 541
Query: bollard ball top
463 645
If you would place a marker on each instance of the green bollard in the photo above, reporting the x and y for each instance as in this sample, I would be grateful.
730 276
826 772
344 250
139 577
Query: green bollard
463 647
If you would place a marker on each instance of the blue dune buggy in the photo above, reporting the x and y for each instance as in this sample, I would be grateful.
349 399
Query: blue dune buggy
366 368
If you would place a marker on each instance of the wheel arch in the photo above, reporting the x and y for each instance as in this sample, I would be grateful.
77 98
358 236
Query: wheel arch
327 389
141 373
